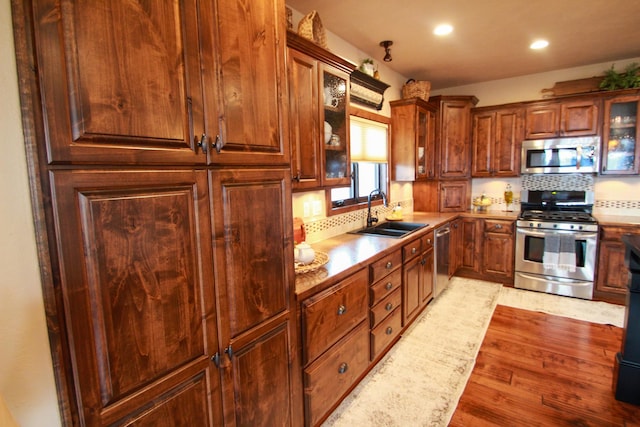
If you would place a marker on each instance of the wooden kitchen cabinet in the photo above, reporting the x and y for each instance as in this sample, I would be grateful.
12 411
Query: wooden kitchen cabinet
169 301
498 244
620 135
335 343
453 133
385 303
417 277
413 155
612 275
497 136
485 249
319 115
442 195
562 118
150 102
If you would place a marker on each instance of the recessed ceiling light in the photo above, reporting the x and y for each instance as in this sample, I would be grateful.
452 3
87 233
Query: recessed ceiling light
539 44
443 30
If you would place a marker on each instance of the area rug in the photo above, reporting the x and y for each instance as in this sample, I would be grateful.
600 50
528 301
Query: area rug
420 381
590 311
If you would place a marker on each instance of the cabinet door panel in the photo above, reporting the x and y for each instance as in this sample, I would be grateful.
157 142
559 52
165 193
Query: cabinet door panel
579 118
253 235
482 143
506 155
411 290
542 121
247 93
304 126
107 99
454 146
262 381
426 289
135 254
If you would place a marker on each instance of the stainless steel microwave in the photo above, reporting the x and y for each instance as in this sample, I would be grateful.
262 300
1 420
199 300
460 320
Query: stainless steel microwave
561 155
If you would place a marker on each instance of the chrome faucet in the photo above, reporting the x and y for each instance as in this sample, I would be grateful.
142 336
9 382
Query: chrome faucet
373 219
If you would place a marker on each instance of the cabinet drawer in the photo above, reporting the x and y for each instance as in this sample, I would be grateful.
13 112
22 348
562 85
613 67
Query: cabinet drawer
385 307
383 334
615 233
329 315
386 265
498 226
427 241
384 287
411 250
327 379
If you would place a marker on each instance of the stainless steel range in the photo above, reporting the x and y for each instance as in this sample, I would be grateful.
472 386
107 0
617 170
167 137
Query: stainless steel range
556 238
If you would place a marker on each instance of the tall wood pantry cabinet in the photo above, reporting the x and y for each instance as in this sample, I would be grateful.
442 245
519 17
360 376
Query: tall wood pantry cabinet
159 159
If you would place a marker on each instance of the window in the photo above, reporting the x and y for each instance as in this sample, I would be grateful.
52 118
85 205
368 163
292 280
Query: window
368 148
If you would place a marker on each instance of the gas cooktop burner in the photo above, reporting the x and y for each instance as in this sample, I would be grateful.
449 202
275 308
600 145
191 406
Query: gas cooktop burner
563 216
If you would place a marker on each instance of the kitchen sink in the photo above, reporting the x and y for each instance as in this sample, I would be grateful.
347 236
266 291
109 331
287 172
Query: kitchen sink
395 229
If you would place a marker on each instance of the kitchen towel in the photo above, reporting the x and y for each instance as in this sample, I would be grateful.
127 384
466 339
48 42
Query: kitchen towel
567 254
559 252
551 254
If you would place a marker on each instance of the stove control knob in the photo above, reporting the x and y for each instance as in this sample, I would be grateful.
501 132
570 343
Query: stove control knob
555 225
571 227
539 225
530 224
580 227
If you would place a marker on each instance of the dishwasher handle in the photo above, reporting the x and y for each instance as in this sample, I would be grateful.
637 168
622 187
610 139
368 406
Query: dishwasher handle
442 231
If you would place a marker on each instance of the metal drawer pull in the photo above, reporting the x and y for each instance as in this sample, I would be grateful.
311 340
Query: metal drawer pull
389 265
342 310
389 306
498 226
414 250
389 330
343 368
429 241
388 286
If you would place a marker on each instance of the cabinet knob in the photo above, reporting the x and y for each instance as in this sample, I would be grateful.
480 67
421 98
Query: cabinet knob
216 359
218 144
202 143
389 330
498 226
429 241
297 177
389 265
388 286
343 368
342 310
388 307
414 250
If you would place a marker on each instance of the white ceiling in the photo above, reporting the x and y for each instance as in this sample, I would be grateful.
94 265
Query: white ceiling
491 37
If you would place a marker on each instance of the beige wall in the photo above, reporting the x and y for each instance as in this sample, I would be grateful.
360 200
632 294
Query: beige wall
26 371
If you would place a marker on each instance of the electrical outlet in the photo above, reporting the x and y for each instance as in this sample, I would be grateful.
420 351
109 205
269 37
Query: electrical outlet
306 207
317 207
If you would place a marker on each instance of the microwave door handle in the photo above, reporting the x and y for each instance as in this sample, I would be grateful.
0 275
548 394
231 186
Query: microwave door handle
578 157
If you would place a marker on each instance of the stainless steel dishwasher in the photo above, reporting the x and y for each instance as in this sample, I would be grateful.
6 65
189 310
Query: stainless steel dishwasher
441 280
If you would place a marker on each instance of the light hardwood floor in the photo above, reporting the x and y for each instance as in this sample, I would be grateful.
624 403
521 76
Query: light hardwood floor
536 369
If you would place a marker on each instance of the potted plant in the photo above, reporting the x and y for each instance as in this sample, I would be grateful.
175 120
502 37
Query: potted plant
630 78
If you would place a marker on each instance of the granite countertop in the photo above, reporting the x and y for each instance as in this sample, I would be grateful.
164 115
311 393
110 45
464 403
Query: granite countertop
349 252
617 219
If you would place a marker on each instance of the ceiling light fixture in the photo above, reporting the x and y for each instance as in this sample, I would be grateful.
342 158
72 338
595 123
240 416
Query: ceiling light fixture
443 30
387 50
539 44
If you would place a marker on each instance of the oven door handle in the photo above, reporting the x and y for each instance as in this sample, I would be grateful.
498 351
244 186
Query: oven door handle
541 234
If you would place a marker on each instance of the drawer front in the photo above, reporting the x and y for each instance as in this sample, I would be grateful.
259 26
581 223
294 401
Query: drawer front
384 287
327 379
385 333
411 250
427 241
332 313
497 226
386 265
615 233
383 309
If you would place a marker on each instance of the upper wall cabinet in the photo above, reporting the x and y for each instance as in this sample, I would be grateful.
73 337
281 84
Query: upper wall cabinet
557 119
497 136
620 154
413 124
318 115
125 84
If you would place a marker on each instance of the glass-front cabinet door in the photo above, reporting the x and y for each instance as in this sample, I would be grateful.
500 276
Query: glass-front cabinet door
335 99
620 153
